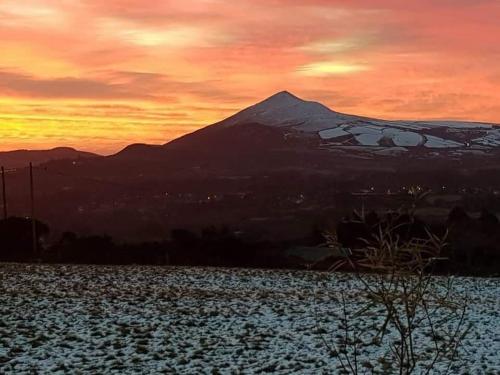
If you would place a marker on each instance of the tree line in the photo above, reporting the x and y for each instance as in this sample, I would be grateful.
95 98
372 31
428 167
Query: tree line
472 244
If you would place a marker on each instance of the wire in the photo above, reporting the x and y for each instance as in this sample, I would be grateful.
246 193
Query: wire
90 179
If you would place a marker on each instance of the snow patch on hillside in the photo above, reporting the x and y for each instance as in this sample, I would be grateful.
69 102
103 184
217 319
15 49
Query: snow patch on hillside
437 142
458 125
333 133
491 139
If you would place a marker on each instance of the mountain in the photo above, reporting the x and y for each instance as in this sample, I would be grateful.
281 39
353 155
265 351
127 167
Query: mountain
285 133
275 170
298 118
21 158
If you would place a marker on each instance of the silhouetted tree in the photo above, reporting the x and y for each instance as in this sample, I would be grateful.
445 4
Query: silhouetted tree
16 239
458 216
86 250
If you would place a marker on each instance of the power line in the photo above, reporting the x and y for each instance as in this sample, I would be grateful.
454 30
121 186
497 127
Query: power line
84 178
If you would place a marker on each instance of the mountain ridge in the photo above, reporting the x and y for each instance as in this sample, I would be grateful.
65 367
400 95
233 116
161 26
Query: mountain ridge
22 157
319 126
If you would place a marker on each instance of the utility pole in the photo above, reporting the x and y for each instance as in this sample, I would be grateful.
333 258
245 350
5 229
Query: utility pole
4 195
33 221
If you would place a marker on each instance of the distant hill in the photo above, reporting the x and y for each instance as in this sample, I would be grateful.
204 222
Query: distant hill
21 158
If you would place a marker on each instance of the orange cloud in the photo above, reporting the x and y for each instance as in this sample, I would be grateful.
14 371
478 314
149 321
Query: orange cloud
109 73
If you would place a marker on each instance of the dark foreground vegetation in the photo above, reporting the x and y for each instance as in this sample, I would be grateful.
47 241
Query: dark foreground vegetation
473 245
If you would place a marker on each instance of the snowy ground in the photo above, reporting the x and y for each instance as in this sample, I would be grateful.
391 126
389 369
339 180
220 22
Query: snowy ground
88 319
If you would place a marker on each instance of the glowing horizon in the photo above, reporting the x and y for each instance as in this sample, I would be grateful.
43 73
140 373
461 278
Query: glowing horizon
99 75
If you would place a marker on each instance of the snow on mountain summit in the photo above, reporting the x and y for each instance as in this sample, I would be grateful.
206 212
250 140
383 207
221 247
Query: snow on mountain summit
285 109
281 99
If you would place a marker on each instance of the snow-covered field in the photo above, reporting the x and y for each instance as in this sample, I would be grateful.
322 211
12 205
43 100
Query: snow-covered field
98 319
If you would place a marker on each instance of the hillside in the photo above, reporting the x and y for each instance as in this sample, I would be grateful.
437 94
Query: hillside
21 158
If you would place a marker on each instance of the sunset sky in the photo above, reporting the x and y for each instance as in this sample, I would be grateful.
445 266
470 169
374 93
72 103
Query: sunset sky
101 74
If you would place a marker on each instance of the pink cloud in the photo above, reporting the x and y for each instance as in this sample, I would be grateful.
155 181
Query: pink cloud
420 58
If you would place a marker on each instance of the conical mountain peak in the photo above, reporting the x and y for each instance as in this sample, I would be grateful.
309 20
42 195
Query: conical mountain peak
286 109
284 96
